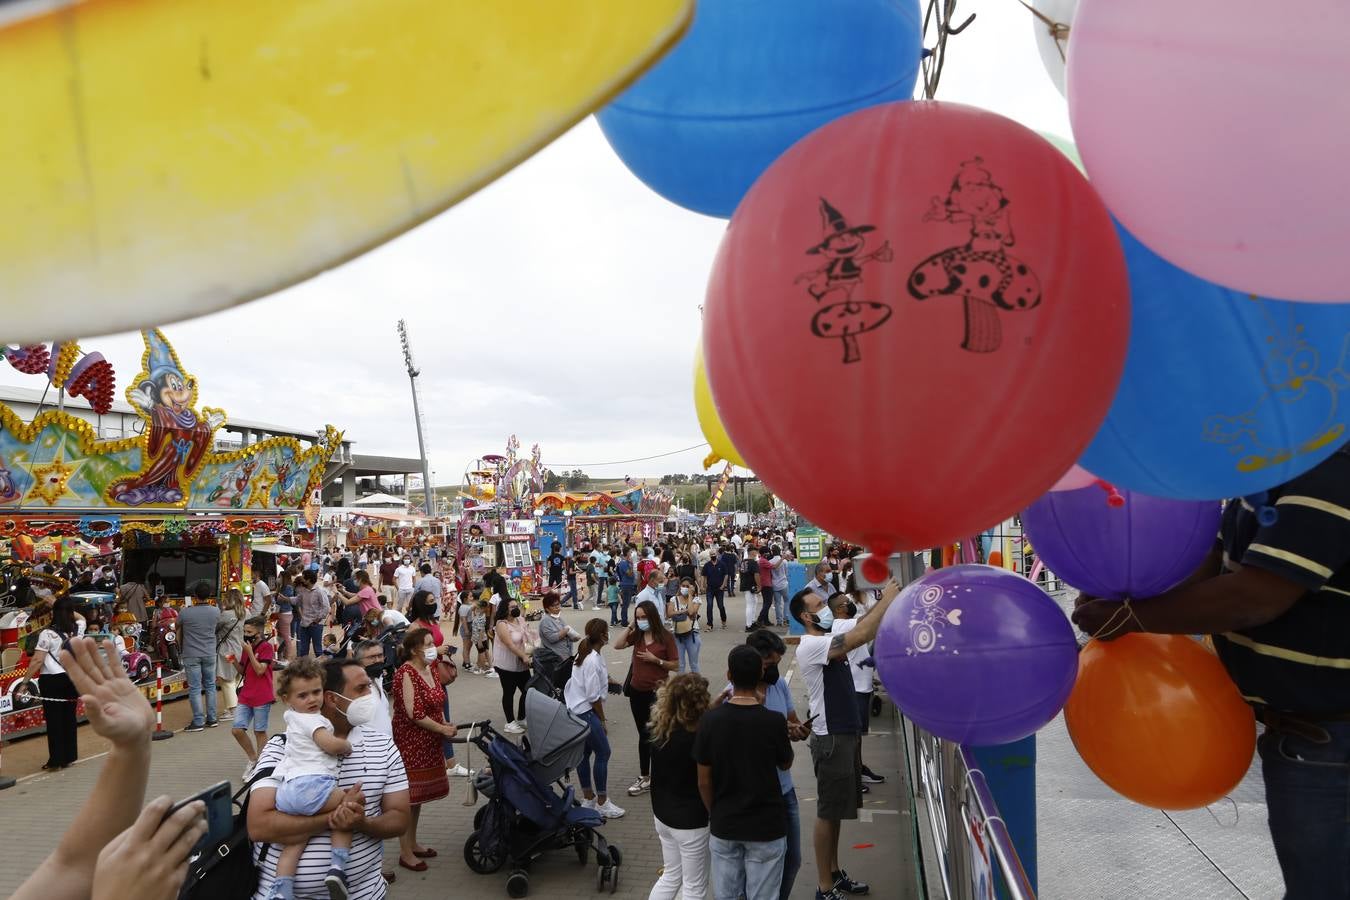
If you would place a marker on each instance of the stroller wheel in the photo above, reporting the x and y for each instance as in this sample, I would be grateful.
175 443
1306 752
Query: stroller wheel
601 876
518 883
482 860
613 879
615 857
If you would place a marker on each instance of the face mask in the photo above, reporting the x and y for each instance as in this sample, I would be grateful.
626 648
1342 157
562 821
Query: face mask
643 625
360 711
851 609
770 675
429 654
684 592
513 612
375 670
824 619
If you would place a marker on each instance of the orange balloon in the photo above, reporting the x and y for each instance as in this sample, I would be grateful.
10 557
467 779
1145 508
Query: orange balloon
1159 720
996 558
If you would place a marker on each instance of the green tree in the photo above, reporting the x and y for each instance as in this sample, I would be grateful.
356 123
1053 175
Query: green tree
698 500
552 480
576 479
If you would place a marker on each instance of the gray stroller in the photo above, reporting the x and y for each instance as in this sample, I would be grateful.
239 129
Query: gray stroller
524 816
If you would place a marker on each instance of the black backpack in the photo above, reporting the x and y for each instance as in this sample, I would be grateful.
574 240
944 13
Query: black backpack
228 870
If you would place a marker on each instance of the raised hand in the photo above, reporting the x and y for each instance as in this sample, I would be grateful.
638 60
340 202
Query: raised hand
116 710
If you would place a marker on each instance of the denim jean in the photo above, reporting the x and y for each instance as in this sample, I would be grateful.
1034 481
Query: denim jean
201 673
688 645
1307 798
780 605
626 594
749 869
310 637
601 586
792 857
597 745
572 592
715 598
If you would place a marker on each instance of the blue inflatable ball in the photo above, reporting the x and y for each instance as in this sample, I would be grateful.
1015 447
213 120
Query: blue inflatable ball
748 80
1224 394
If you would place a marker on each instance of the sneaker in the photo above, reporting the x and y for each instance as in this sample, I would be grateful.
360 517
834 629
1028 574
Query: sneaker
194 727
641 786
492 673
248 771
336 882
589 804
831 894
212 723
513 728
870 777
864 790
845 885
458 771
610 811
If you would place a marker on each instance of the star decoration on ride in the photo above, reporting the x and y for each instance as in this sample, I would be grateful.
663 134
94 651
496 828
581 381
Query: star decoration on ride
51 481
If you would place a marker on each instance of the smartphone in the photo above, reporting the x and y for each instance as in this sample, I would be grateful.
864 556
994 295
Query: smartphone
219 814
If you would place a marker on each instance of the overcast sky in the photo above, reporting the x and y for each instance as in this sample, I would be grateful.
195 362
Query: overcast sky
560 304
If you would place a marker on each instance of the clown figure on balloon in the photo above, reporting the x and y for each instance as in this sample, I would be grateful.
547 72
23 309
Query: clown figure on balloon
839 277
979 271
176 438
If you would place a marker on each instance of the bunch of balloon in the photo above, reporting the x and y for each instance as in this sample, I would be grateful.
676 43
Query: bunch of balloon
713 432
1224 394
909 253
1244 206
1157 718
749 79
976 655
1142 548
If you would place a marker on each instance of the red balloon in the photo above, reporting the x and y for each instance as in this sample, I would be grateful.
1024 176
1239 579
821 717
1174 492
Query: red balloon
916 322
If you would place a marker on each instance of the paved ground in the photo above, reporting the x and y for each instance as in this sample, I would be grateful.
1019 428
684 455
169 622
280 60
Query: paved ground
875 846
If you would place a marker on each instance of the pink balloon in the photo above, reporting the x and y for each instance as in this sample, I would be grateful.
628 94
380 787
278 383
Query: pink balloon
1219 144
1075 479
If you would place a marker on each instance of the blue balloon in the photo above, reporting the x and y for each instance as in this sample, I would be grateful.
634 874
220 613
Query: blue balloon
749 79
1224 394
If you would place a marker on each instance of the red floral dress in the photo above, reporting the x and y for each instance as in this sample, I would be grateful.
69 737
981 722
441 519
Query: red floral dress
421 750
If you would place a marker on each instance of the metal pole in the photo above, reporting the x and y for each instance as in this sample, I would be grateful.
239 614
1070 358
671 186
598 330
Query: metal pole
413 372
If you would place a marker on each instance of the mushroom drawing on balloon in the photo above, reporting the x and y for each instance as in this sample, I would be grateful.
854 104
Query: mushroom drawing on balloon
845 318
979 271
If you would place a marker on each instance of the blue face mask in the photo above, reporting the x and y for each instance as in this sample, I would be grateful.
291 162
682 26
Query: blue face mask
643 625
824 618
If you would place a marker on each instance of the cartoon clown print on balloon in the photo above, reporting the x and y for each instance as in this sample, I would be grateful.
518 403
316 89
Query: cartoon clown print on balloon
839 279
176 438
980 271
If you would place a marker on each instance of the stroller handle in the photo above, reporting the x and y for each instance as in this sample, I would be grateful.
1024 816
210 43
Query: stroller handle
460 726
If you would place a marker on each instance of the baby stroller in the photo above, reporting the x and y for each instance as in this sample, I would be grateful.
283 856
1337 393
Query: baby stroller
524 816
550 673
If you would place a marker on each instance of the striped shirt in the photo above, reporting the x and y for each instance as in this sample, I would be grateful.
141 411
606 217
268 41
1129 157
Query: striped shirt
376 764
1300 662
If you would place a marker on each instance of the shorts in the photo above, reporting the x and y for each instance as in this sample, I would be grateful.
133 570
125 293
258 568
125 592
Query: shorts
838 768
258 715
305 795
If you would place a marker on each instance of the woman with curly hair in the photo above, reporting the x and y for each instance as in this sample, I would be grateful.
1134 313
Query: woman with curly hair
681 819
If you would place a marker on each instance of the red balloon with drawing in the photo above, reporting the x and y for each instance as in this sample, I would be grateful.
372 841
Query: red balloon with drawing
945 303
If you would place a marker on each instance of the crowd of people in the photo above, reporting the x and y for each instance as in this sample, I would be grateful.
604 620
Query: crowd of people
315 637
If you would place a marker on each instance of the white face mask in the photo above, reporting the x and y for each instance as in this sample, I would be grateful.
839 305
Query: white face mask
429 654
361 711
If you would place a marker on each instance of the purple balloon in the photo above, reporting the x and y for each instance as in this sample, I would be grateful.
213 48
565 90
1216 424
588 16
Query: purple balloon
977 655
1141 549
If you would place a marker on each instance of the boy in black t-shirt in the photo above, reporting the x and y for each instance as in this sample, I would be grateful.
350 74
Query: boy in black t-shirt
739 748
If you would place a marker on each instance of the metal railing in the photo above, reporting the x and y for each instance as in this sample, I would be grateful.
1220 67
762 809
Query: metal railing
970 841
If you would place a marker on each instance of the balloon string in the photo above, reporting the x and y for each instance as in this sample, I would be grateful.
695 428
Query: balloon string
1115 622
1058 30
1237 814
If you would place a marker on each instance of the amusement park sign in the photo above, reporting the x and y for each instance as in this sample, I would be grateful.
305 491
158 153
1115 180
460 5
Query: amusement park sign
519 526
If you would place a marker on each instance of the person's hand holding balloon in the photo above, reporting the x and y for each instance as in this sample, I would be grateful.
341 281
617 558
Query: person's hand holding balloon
1104 620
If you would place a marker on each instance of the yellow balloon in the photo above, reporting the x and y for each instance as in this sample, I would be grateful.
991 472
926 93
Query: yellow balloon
713 431
166 158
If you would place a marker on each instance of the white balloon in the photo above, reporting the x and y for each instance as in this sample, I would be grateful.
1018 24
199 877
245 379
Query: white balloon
1053 51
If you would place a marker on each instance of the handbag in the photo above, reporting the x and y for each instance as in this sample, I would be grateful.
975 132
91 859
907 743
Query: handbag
446 672
628 682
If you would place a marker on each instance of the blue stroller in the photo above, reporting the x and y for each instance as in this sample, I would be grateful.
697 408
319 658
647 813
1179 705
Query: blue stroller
524 815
